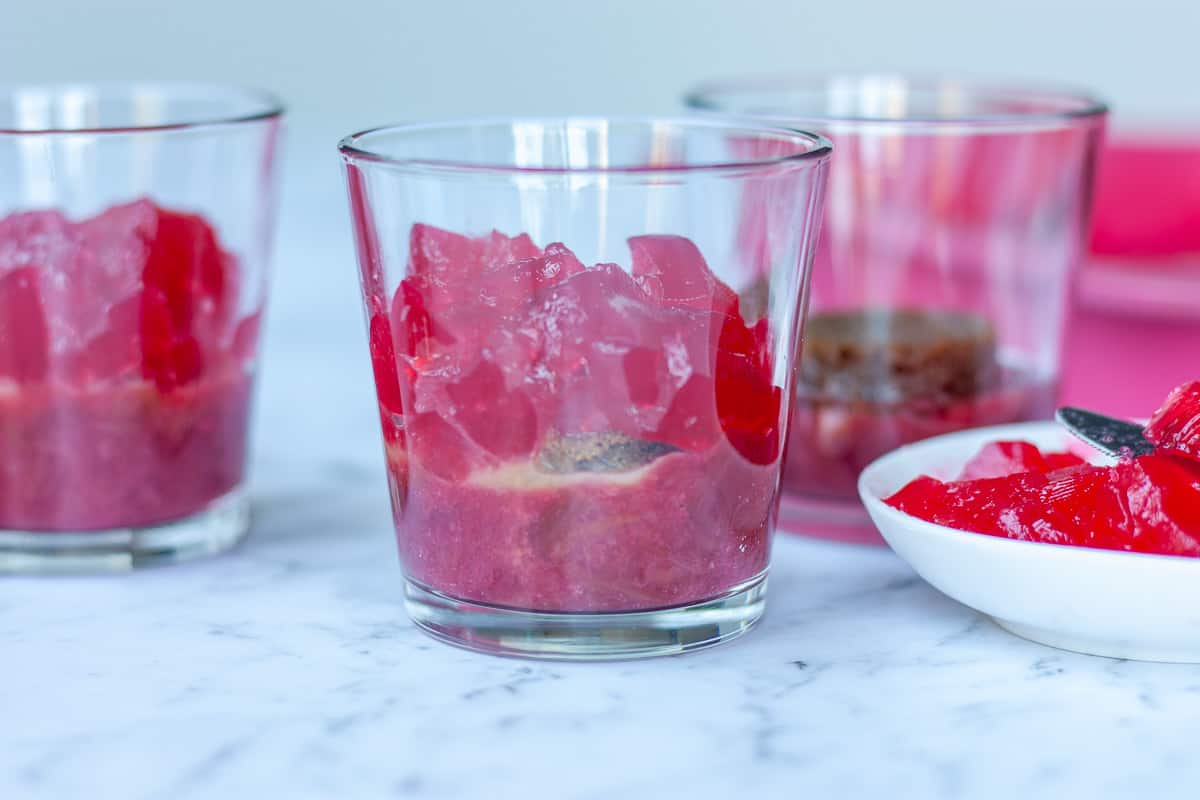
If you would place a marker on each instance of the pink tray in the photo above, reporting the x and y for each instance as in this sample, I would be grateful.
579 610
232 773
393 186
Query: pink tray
1136 330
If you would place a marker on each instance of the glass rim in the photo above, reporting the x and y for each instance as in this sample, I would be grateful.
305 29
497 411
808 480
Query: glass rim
1078 104
263 105
352 149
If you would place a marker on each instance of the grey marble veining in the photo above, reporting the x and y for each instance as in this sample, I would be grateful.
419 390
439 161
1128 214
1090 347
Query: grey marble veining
288 669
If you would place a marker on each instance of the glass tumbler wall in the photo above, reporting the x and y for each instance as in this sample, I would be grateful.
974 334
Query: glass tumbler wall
135 223
955 219
580 359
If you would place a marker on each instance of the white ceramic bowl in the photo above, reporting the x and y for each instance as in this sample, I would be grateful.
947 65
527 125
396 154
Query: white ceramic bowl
1103 602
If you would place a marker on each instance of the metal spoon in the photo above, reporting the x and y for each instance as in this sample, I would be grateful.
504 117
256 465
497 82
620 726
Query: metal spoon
1115 437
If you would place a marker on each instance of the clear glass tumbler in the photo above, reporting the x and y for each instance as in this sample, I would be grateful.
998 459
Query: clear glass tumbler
956 216
579 360
135 226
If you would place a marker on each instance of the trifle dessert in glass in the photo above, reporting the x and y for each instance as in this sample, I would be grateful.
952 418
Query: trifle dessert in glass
956 217
134 235
581 372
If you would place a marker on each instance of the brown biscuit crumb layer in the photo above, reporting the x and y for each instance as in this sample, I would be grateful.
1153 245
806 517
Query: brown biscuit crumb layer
893 356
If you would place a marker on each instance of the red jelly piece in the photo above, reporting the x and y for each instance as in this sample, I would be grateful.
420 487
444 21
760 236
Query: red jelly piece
645 371
448 270
454 262
447 258
1176 426
43 239
387 379
188 286
690 422
1057 461
245 337
585 327
170 356
999 459
500 249
748 402
748 405
559 261
505 287
499 420
115 352
439 447
417 334
977 505
1084 506
1165 499
24 345
920 497
73 301
201 297
1138 506
671 270
570 342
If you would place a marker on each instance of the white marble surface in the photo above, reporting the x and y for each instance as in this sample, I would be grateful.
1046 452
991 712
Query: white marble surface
287 668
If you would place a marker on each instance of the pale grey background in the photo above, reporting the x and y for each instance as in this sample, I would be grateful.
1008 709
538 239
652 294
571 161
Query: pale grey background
344 65
287 670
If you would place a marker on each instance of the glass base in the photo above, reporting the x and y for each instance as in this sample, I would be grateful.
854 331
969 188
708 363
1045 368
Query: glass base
587 637
837 520
218 527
